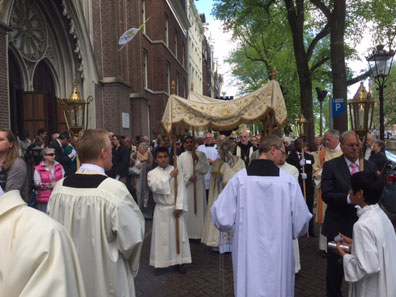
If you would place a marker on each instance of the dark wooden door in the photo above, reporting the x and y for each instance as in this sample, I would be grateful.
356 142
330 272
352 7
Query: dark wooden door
35 112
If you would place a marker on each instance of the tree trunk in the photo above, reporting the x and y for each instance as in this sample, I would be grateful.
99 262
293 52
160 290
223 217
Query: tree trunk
295 16
337 28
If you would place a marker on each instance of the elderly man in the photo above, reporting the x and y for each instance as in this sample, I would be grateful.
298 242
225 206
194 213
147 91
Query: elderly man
332 150
102 218
244 149
340 213
262 253
210 150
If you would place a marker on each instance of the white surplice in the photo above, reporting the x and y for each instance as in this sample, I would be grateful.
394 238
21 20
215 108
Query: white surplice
371 267
163 239
107 228
221 173
37 256
211 153
194 221
267 213
296 249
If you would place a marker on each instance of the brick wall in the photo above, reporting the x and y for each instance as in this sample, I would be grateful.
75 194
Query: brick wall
4 92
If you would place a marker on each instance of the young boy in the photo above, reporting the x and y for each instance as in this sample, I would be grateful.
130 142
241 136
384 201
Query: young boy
161 181
371 267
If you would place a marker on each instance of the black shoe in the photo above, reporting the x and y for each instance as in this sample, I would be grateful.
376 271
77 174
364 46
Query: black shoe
182 269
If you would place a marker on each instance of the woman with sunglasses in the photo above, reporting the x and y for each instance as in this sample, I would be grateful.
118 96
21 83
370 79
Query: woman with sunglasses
46 174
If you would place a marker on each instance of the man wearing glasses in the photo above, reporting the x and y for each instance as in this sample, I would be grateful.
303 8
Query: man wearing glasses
340 213
266 208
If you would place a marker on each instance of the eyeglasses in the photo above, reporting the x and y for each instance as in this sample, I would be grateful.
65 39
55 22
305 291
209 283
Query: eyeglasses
51 155
283 152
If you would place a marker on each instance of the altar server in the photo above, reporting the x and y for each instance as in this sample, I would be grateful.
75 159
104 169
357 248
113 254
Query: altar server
194 166
161 181
370 268
102 218
265 206
38 257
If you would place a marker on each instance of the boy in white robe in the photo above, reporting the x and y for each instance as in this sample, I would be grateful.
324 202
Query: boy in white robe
104 221
265 206
194 175
370 268
161 181
38 257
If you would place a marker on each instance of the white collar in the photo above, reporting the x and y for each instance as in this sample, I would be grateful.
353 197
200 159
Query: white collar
337 149
366 209
91 167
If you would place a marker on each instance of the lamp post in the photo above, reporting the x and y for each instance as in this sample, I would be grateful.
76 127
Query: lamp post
380 63
321 97
75 111
361 109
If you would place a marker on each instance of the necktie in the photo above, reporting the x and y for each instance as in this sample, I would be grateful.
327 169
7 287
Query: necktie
354 167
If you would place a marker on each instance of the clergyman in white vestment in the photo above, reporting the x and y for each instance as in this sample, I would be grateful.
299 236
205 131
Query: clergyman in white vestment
195 217
104 221
161 182
370 268
266 208
38 257
210 150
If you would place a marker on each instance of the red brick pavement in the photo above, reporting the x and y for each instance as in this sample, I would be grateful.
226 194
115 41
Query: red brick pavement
203 277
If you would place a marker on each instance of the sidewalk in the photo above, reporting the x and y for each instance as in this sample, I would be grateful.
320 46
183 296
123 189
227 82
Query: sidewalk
205 275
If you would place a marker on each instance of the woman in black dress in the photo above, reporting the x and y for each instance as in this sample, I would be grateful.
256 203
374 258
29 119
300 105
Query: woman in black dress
120 160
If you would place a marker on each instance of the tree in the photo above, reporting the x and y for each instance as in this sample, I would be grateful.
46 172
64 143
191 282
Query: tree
265 36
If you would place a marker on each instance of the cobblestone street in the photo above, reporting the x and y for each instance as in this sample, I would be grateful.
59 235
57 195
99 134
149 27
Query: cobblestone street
205 275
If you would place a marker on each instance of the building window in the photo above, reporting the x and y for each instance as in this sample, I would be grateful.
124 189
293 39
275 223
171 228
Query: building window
168 77
145 67
183 54
176 44
177 83
166 30
144 14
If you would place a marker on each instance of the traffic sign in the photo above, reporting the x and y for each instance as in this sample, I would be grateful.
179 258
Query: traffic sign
338 106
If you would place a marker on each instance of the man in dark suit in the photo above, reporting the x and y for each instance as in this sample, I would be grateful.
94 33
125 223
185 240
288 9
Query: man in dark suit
295 158
341 213
59 145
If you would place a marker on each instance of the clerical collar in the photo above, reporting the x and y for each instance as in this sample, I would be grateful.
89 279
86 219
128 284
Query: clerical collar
213 144
337 149
91 167
262 167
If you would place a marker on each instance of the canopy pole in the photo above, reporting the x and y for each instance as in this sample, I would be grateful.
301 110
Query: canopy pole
175 191
194 182
173 85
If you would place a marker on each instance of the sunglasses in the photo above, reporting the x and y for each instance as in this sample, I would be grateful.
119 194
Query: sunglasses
51 155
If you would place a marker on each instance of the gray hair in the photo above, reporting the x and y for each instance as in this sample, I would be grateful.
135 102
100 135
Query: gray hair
144 145
333 133
45 151
346 133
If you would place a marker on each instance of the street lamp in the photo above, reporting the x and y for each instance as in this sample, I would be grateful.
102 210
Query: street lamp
380 63
321 97
75 111
361 109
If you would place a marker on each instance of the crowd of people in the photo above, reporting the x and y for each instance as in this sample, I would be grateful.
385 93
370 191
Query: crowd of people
253 196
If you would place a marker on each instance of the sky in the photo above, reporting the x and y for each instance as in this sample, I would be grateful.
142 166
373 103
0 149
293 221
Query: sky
223 46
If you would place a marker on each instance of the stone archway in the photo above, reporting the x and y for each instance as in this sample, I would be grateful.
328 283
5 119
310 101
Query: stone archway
45 51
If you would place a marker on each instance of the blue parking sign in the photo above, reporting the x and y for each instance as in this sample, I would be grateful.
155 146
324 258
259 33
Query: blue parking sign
338 106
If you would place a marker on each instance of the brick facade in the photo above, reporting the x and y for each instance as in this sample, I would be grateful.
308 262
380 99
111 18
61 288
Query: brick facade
4 102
